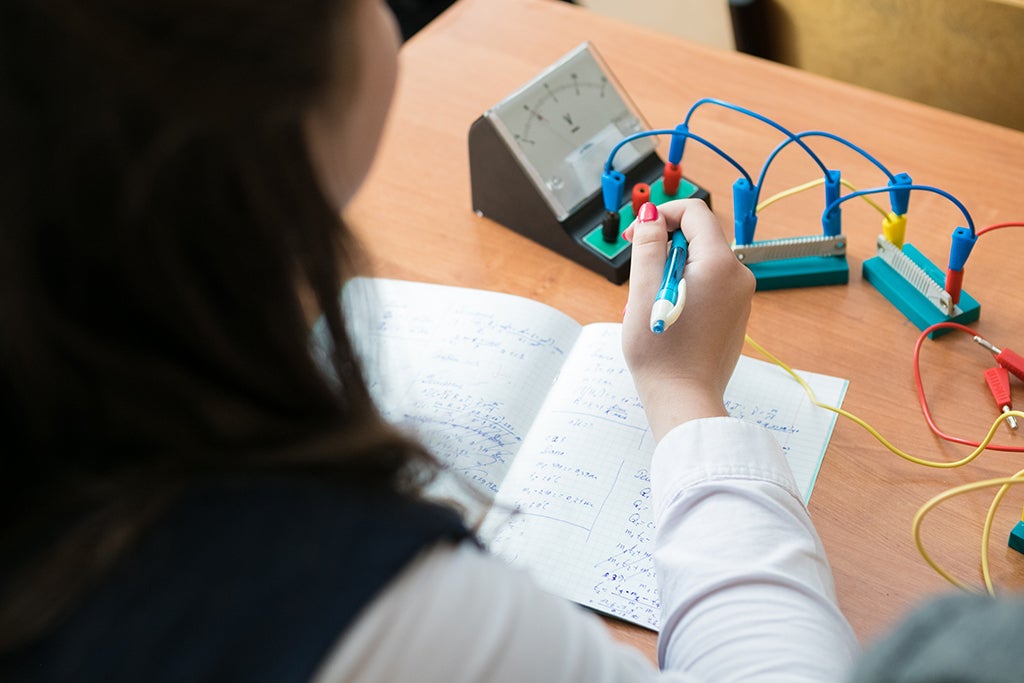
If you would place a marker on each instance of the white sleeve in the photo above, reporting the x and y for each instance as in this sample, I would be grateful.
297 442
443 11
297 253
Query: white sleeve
459 615
746 590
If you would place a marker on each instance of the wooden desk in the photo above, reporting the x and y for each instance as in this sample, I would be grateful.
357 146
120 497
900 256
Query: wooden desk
414 214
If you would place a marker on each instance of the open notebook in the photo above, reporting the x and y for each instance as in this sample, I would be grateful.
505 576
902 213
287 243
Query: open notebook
541 415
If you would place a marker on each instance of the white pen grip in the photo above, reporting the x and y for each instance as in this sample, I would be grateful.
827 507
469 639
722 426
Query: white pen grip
667 313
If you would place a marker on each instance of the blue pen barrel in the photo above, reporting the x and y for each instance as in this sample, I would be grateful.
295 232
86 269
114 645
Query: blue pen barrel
674 267
668 303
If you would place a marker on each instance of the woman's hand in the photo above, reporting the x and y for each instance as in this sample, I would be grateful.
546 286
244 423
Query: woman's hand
681 373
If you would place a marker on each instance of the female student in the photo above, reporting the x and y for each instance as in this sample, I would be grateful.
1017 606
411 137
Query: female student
188 496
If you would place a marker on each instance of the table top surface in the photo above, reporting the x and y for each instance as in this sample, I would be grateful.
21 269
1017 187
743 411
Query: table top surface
865 497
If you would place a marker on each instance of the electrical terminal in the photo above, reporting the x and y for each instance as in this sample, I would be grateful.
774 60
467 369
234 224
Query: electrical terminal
744 204
613 187
610 227
677 145
641 194
911 283
954 285
899 193
959 250
894 228
832 222
673 172
670 178
998 380
1004 357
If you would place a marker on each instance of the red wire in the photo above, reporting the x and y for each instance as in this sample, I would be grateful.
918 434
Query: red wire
917 365
920 388
997 226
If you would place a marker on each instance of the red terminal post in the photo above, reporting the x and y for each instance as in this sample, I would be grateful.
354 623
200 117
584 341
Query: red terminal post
1005 357
670 178
955 284
959 250
641 195
998 380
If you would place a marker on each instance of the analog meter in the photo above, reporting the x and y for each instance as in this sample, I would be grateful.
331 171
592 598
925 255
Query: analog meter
536 159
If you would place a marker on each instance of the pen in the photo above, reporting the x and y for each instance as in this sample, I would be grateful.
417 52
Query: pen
668 304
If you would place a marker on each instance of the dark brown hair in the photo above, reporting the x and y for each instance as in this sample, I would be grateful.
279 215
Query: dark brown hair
159 216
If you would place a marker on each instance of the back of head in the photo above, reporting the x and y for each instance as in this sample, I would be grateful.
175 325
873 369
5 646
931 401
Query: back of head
159 220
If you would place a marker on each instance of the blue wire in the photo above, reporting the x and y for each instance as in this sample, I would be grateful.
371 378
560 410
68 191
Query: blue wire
856 148
925 188
667 131
824 134
760 117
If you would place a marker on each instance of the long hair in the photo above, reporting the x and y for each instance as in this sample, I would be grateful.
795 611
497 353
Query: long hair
159 223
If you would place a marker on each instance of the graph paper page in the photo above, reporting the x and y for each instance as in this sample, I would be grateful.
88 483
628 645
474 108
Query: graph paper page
464 370
579 490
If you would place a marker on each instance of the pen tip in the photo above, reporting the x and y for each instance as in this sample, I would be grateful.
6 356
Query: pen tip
658 327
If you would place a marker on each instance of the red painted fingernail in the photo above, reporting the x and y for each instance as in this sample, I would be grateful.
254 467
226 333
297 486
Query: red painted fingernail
648 213
625 236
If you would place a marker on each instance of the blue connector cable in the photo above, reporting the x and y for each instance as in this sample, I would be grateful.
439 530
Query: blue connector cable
613 191
899 193
904 189
791 137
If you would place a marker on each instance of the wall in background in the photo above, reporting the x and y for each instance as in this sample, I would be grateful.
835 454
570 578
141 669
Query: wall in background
702 21
965 56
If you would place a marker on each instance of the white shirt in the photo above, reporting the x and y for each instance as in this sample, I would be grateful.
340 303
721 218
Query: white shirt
746 591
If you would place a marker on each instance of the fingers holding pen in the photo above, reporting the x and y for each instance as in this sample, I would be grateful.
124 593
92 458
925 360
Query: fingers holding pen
710 258
691 215
647 261
711 264
682 372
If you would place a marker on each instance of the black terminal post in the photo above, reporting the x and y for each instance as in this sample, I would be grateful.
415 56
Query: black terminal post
610 227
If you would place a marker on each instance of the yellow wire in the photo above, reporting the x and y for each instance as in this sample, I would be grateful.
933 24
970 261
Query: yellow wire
788 193
812 184
1004 482
986 534
869 200
873 432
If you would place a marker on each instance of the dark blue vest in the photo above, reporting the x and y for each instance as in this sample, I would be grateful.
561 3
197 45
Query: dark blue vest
248 580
